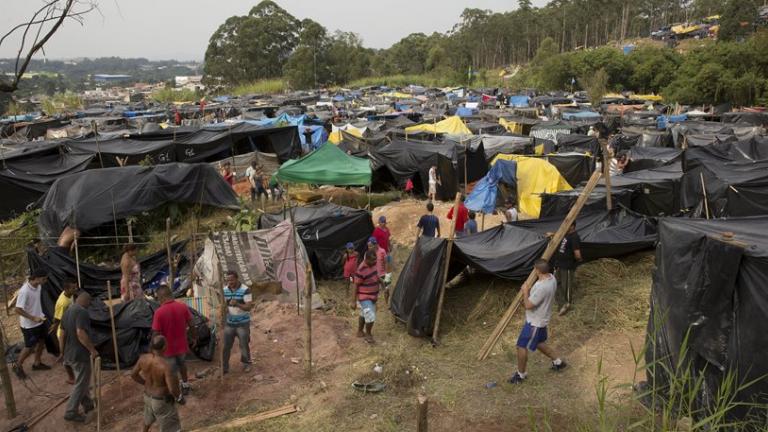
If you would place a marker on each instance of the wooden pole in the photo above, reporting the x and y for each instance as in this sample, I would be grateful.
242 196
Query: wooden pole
704 194
444 280
114 332
222 320
4 286
130 231
482 221
466 156
423 411
95 129
77 261
308 320
607 177
97 389
295 259
10 401
168 252
548 252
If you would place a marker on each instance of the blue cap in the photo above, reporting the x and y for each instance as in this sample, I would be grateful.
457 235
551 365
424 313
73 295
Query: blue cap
350 245
382 219
373 240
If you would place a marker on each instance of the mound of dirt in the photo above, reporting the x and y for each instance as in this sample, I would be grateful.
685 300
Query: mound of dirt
403 216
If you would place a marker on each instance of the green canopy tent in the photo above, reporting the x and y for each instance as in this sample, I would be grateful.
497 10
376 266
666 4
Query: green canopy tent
327 165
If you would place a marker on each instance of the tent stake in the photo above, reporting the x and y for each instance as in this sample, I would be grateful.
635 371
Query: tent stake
554 242
114 333
441 296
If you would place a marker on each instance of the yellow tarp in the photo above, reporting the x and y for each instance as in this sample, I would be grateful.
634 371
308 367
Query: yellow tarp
398 95
451 125
511 126
335 136
647 97
534 177
683 29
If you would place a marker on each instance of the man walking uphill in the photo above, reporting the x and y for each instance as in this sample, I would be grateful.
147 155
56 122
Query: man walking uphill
239 304
172 320
161 388
537 300
78 350
566 258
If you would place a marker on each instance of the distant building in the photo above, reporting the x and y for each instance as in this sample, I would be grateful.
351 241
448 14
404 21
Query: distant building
110 78
191 82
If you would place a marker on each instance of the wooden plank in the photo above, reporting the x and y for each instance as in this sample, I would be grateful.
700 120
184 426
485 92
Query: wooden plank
422 414
548 252
10 401
441 295
243 421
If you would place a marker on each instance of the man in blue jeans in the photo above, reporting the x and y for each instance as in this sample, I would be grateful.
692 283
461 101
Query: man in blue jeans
537 300
239 304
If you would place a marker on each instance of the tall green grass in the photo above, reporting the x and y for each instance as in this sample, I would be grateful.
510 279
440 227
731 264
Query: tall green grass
170 95
270 86
62 103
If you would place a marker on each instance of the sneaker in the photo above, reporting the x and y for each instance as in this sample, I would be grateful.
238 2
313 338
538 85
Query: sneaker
516 379
180 400
247 367
40 367
74 417
559 367
185 388
88 406
564 310
19 371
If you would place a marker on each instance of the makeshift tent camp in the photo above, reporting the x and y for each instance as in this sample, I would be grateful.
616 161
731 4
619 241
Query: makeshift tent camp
534 177
133 320
507 251
324 229
655 191
560 203
263 257
403 160
484 196
92 198
216 142
451 125
709 290
128 151
326 166
574 167
732 188
642 158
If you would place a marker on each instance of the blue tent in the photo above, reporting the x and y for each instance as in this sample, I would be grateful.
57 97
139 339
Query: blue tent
519 101
465 112
662 121
319 134
483 196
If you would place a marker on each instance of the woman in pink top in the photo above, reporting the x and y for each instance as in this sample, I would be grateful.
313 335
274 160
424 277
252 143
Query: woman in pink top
130 283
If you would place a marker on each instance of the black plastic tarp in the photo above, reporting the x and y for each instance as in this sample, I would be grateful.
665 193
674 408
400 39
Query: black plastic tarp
92 198
406 160
712 289
656 191
508 251
560 203
751 118
642 158
578 143
215 143
574 167
133 320
324 229
130 151
732 188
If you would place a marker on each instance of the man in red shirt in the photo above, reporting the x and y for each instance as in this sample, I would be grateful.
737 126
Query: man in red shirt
172 320
381 233
461 219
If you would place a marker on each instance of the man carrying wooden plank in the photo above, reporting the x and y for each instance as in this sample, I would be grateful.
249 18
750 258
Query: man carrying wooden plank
537 300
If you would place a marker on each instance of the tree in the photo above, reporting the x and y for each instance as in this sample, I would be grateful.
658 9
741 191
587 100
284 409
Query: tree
34 33
596 86
252 47
737 19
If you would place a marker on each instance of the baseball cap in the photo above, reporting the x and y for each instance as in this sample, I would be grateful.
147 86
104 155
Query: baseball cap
382 219
373 240
350 245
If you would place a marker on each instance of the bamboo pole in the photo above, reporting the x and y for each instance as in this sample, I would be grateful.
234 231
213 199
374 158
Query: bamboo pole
607 177
10 401
95 129
548 252
308 320
77 262
114 332
444 279
168 252
97 390
704 194
422 414
4 286
295 259
222 321
130 231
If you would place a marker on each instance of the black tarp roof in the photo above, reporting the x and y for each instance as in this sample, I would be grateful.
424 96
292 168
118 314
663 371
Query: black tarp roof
642 158
560 203
578 143
574 167
712 292
406 160
324 229
732 188
507 251
132 151
656 191
92 198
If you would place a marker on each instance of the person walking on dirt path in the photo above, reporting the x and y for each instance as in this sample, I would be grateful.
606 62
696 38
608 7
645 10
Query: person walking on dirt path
537 300
382 234
350 265
461 218
429 224
383 266
433 181
62 304
33 322
161 388
173 320
567 257
366 293
79 352
239 304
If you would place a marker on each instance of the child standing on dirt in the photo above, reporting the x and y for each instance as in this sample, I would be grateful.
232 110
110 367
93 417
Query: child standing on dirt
366 293
350 264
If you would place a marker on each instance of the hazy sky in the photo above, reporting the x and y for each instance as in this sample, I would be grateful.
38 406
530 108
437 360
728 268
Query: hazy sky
180 29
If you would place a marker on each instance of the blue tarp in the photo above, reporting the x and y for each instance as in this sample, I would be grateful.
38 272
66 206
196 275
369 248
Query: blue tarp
465 112
580 115
319 135
662 121
483 196
519 101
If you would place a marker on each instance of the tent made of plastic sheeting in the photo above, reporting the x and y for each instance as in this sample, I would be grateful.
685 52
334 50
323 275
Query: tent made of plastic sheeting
262 259
642 158
507 251
578 143
24 181
709 304
217 142
484 195
534 177
655 191
451 125
133 320
399 161
729 151
560 203
336 136
360 147
120 152
740 131
311 136
574 167
327 165
519 101
552 130
507 144
581 116
751 118
324 229
28 150
92 198
732 188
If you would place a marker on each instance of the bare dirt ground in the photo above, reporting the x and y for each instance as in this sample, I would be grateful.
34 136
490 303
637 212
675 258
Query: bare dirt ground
601 339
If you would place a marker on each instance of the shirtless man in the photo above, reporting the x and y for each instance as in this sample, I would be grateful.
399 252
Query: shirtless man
161 388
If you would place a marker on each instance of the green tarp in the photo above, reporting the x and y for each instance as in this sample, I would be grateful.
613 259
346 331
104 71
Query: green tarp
327 165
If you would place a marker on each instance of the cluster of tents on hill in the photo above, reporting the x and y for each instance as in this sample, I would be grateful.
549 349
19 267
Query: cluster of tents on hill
693 187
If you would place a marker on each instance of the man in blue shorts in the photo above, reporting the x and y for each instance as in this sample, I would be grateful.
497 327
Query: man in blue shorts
538 310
